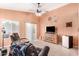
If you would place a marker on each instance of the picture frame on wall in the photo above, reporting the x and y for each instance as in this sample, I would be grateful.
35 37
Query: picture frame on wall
69 24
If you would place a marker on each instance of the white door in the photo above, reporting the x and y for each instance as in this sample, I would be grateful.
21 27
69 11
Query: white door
31 31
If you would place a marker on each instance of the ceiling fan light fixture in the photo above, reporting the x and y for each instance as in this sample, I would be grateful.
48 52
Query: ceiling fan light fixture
39 10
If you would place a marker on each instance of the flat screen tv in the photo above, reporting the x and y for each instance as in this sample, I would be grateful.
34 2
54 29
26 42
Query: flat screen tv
50 29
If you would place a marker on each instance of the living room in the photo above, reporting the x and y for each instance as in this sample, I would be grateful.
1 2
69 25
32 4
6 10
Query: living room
52 28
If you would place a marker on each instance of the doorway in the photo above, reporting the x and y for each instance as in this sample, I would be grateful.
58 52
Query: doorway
31 31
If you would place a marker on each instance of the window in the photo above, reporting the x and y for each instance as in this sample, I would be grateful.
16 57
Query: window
10 27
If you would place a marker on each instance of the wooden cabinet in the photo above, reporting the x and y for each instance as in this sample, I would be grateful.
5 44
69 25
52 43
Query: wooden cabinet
52 38
55 38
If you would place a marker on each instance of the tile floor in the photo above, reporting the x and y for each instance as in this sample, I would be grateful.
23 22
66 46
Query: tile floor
55 49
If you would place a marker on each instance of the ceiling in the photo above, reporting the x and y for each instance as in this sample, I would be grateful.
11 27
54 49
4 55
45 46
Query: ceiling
31 7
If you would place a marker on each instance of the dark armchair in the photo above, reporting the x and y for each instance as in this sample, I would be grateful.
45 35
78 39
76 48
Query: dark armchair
44 51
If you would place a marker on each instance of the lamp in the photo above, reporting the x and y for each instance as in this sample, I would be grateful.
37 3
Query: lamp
3 31
3 50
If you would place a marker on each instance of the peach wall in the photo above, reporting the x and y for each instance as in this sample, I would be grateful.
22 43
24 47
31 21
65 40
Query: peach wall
63 15
22 17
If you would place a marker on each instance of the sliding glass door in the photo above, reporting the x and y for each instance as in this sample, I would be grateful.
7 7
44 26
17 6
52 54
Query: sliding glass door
31 31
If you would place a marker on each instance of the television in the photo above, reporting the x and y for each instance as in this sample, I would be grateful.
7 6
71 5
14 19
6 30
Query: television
50 29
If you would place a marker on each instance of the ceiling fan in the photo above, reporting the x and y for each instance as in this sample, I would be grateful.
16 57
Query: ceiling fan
38 10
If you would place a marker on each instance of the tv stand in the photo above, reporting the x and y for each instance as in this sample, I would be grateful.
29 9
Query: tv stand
51 37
